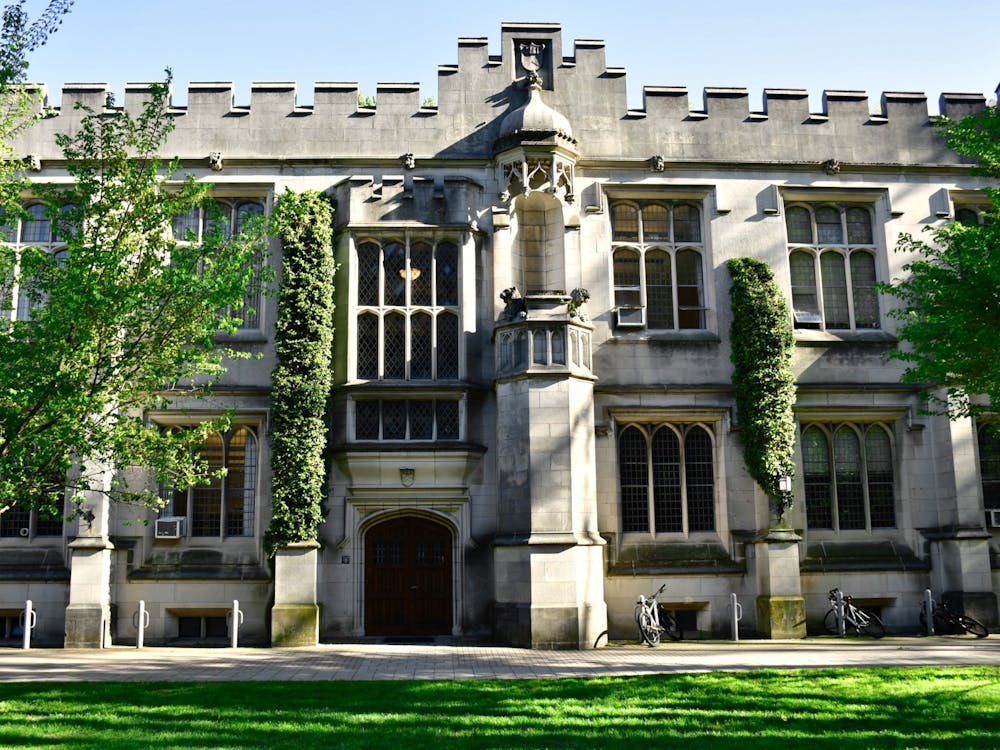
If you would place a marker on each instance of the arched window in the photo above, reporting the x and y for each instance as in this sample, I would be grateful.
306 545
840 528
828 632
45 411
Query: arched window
667 478
227 505
838 292
659 276
849 476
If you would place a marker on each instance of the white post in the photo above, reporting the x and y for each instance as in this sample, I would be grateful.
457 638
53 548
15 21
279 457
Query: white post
237 620
737 610
839 608
929 610
30 619
141 622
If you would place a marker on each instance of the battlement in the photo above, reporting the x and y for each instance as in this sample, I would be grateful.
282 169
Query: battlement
476 92
218 98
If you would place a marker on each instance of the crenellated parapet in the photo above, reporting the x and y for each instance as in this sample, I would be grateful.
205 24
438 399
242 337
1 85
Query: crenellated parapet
476 93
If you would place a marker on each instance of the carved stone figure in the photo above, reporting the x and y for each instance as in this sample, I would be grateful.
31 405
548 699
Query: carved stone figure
516 308
577 299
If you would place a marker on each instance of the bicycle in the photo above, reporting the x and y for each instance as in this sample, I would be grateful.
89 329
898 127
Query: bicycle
855 618
653 620
947 622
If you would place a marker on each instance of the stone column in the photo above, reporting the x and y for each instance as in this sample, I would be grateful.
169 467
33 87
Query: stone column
295 614
88 615
781 610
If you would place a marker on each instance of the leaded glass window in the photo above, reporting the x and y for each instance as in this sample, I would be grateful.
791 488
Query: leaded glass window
989 464
849 476
666 476
408 316
227 505
229 217
658 263
406 419
831 257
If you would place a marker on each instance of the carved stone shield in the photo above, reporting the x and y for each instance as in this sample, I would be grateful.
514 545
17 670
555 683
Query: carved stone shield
531 53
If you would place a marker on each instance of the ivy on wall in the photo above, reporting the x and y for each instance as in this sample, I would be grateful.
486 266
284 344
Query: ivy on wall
301 379
762 345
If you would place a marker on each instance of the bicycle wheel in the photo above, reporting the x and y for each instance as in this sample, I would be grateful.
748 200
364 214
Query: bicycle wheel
973 627
647 628
869 622
830 623
670 625
638 611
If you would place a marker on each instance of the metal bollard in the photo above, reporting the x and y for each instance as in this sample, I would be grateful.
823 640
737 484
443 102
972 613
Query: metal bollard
140 620
29 618
236 617
839 609
737 610
929 610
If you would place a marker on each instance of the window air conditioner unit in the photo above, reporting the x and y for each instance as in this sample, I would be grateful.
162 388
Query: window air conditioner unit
169 527
630 317
993 518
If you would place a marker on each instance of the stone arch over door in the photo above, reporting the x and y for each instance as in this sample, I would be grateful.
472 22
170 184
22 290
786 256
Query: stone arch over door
408 577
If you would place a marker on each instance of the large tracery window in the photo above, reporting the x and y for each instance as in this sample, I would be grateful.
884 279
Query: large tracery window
35 228
658 265
666 478
989 464
849 476
408 310
229 216
226 506
831 257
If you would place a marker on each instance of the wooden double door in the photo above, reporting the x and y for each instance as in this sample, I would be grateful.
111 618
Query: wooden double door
408 578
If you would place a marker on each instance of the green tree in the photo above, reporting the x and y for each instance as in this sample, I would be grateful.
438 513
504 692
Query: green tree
949 301
20 103
121 320
762 345
301 380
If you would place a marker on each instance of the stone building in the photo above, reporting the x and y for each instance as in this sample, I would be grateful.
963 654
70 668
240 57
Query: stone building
533 417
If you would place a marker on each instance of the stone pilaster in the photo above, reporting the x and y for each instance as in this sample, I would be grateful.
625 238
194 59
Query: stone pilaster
781 610
88 614
295 614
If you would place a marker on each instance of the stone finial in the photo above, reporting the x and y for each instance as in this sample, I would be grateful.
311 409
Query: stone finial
657 164
33 162
831 166
408 160
215 161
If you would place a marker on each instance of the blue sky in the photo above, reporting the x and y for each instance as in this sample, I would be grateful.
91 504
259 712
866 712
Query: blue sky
910 45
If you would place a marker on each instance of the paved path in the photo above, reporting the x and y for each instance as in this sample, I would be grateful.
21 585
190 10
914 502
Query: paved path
357 661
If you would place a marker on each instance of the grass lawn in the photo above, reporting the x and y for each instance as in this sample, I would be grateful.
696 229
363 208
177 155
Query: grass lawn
843 708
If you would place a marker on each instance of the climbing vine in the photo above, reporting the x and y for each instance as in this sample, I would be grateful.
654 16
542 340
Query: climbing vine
301 379
762 344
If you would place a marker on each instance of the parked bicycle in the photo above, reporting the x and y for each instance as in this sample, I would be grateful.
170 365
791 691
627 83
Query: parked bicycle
947 622
856 619
654 621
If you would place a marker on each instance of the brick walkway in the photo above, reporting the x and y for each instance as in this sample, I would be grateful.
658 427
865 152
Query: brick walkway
366 661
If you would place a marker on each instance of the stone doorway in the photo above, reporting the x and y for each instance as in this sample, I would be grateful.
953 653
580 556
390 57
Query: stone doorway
408 578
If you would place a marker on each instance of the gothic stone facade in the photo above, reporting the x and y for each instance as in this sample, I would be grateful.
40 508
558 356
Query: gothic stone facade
533 417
